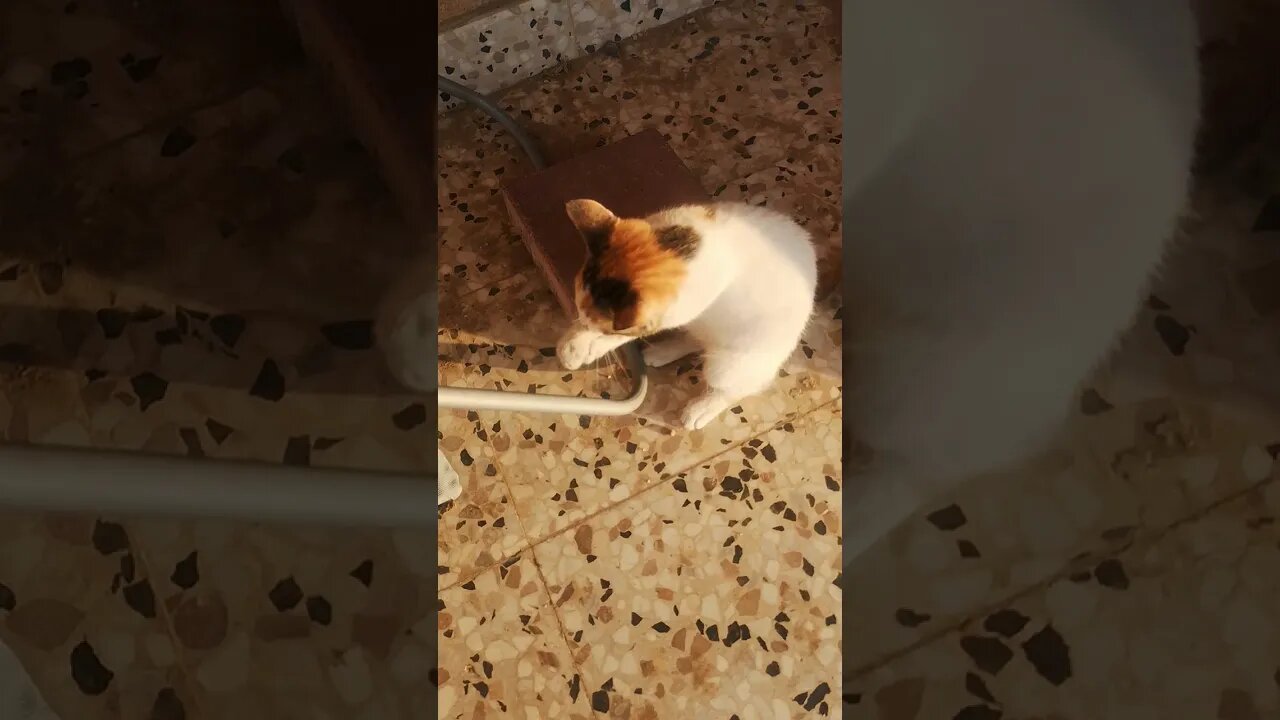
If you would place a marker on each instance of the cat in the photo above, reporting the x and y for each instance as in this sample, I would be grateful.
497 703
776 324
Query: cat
1014 170
737 280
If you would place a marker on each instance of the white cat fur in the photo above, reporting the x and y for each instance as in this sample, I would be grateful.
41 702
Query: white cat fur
744 303
1013 172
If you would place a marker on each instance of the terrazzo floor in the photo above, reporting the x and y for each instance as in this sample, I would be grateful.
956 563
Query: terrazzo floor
590 567
615 566
193 253
1129 573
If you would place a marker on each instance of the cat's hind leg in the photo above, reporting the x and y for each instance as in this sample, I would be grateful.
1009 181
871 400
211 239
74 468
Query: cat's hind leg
730 376
670 349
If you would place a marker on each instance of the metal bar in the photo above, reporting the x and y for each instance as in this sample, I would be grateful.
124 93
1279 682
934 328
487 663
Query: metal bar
477 399
68 479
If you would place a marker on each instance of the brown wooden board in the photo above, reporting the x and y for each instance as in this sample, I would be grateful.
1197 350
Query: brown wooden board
633 177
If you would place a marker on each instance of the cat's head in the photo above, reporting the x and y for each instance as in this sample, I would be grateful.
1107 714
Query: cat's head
633 269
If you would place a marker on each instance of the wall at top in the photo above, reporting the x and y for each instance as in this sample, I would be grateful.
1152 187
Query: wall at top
520 40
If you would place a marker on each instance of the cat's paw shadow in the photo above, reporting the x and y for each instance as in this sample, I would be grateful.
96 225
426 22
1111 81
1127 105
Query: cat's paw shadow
671 389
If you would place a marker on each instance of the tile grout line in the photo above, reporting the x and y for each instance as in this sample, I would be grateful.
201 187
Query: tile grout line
171 632
480 571
1140 540
532 547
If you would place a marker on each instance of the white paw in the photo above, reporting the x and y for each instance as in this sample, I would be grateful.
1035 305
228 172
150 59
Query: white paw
702 411
575 350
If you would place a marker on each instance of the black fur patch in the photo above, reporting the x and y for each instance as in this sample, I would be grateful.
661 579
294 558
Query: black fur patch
679 239
609 294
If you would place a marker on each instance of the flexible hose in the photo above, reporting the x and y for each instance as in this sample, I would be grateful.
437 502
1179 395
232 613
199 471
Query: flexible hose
475 99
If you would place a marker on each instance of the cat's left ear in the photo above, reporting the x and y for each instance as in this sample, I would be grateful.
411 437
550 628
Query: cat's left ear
593 220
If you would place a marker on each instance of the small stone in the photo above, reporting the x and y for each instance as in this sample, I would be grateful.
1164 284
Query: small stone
910 618
988 654
1110 573
364 573
298 451
1174 334
88 672
319 610
178 141
217 430
410 417
1049 655
948 518
228 328
141 598
150 389
1091 403
109 537
168 706
269 384
285 595
142 68
186 573
350 335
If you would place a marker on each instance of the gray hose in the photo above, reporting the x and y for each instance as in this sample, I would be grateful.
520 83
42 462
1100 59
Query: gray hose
472 97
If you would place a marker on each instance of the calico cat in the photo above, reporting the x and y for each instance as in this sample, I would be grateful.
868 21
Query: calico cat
736 279
1013 172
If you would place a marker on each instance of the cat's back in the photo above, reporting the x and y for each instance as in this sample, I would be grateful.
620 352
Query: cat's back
749 238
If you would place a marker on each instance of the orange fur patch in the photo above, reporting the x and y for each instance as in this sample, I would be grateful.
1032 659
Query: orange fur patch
635 255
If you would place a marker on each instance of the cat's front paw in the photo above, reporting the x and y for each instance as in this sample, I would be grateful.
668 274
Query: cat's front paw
703 410
574 349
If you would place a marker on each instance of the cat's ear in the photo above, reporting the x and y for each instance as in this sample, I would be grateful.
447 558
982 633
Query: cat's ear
593 220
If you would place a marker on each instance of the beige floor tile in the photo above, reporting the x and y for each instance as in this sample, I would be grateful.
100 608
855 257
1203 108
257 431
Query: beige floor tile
562 469
480 527
1120 476
1181 626
716 592
502 651
308 622
80 610
79 75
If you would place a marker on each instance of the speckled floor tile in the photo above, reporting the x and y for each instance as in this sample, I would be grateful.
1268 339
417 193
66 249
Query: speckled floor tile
295 622
480 527
716 592
179 276
1181 626
1002 534
502 652
79 75
79 609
